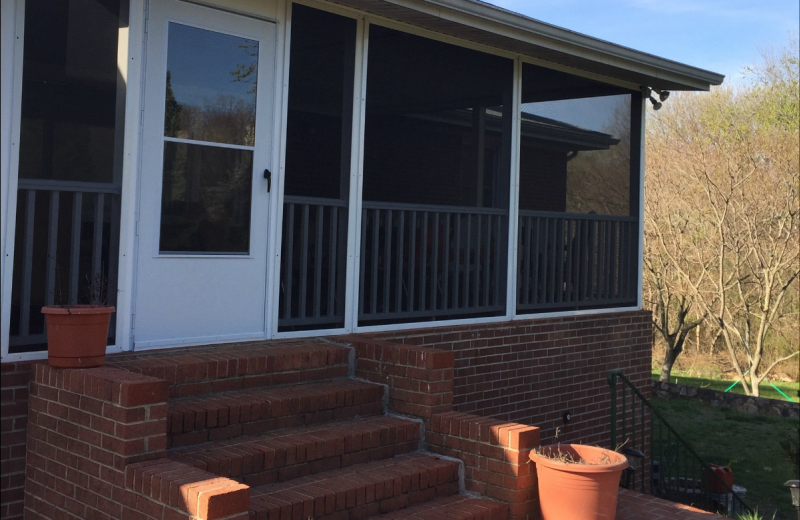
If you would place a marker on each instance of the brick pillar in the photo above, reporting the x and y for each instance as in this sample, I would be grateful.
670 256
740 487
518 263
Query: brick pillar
14 424
90 429
495 455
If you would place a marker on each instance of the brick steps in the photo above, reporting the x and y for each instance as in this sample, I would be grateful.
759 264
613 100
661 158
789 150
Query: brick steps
359 491
454 507
195 420
201 371
287 454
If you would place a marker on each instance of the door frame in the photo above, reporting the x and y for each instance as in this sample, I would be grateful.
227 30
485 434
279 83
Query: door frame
130 212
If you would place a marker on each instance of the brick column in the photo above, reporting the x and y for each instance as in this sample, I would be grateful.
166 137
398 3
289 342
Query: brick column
87 429
14 424
495 455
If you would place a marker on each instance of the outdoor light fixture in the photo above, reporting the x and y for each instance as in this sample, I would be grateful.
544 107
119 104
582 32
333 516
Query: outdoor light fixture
662 94
656 105
794 487
648 93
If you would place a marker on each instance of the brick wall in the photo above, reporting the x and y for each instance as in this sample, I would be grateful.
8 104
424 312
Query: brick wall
14 379
532 371
419 379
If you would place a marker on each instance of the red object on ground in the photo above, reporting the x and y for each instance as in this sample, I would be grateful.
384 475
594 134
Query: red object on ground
579 491
77 335
725 475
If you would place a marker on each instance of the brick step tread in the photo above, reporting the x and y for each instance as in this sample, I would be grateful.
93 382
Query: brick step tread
287 454
211 369
359 491
454 507
194 420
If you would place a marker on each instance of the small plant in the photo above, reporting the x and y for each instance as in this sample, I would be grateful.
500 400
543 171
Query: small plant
569 456
96 289
752 515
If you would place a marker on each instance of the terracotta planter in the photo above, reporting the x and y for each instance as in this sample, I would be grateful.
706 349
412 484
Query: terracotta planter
579 491
77 335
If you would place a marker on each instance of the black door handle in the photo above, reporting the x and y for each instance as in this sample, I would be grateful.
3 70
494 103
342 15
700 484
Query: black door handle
268 176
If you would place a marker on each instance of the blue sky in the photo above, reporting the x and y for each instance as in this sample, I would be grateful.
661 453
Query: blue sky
718 35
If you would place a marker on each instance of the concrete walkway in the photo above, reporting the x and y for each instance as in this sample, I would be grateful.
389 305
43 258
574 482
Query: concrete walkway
636 506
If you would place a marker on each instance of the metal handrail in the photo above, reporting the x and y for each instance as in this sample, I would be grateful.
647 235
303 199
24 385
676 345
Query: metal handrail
728 501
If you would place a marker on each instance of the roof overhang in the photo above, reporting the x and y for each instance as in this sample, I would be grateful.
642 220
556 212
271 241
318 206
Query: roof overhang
486 24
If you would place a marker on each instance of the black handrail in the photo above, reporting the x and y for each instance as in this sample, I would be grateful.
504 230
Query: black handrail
695 483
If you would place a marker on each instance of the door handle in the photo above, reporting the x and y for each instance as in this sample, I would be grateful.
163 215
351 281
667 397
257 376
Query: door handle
268 176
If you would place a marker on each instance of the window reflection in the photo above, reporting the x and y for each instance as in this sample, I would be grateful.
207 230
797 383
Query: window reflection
205 203
438 123
69 90
575 152
211 86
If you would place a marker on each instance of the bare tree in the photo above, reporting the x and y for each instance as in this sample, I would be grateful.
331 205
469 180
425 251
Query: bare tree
727 221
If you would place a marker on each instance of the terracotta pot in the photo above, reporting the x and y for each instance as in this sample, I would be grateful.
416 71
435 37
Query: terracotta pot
77 335
569 491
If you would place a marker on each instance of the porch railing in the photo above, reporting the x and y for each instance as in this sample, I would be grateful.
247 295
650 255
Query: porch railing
91 238
575 260
312 263
676 472
422 261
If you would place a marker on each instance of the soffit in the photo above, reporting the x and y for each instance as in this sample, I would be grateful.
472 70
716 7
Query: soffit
489 25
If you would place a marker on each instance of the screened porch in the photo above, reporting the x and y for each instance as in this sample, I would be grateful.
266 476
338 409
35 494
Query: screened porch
432 227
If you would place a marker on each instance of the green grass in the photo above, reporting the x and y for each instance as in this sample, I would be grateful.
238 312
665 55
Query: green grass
720 434
789 389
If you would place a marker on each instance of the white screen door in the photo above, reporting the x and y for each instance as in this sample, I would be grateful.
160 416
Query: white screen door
204 196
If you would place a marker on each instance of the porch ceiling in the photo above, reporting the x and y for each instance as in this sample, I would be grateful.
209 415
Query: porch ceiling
489 25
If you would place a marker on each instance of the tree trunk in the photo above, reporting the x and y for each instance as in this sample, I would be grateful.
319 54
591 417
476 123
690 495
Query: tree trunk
754 387
666 367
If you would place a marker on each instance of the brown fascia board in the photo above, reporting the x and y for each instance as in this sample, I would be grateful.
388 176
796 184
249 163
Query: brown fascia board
503 29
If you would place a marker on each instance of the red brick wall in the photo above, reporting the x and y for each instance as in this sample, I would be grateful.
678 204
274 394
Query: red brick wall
14 404
532 371
419 380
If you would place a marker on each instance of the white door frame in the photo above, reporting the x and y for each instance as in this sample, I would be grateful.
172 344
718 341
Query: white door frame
11 34
262 220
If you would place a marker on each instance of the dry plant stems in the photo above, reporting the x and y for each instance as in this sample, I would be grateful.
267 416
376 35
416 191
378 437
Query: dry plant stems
568 457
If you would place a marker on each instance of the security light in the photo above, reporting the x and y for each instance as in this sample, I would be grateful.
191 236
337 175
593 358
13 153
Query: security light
662 94
656 104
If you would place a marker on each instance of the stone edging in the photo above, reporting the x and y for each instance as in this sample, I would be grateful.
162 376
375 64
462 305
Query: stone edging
742 403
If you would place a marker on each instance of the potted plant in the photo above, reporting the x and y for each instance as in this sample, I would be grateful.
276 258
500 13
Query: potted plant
77 334
578 482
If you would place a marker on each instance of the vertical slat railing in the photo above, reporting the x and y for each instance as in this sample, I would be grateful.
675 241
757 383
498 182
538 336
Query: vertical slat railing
75 246
27 262
311 296
52 245
64 280
572 261
428 261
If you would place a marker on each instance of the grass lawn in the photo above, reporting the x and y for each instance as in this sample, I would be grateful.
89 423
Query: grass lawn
789 389
720 434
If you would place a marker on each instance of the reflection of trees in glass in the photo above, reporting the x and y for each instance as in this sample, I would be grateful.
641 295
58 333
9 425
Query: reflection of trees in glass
172 112
206 198
246 72
224 119
599 181
228 115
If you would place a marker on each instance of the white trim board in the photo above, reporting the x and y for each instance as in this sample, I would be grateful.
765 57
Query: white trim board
13 26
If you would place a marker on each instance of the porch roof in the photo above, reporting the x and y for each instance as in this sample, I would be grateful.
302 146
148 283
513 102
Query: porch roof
486 24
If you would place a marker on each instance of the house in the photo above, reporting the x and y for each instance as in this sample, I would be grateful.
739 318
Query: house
443 182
